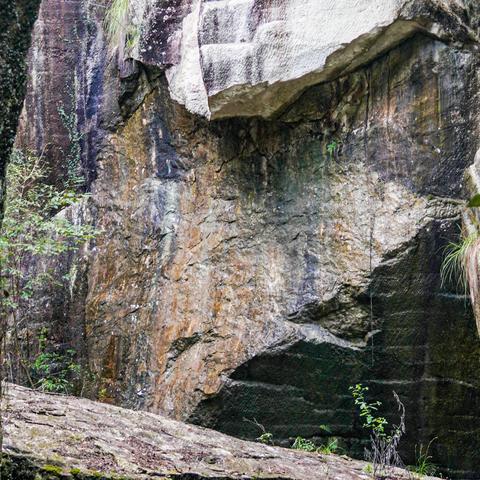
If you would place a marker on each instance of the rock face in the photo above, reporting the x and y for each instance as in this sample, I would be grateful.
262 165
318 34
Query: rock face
65 437
234 58
16 25
257 267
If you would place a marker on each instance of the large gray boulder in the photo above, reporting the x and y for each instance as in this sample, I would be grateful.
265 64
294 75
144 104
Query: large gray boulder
234 58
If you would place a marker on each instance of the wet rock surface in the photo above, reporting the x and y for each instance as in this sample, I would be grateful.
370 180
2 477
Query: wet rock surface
252 268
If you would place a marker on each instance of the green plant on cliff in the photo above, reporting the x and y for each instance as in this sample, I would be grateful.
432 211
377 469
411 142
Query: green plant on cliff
72 157
120 31
383 451
265 437
303 444
54 371
332 147
461 258
456 265
424 465
306 445
367 410
35 230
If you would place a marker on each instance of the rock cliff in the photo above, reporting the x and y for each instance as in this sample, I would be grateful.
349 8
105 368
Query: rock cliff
273 182
16 24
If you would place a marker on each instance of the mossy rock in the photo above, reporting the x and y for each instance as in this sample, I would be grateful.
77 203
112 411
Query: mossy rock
20 468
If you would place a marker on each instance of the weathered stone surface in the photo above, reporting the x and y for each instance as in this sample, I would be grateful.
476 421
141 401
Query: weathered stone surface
253 268
16 22
231 58
67 44
66 437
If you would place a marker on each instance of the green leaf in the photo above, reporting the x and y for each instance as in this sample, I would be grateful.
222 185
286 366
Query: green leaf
474 201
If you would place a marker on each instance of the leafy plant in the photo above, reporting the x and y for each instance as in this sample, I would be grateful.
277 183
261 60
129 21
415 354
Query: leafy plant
306 445
265 437
330 447
32 230
54 371
367 410
368 469
383 451
424 465
474 201
303 444
333 147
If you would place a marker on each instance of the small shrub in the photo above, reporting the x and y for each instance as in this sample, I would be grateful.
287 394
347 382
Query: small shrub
53 371
32 231
333 147
383 451
266 438
368 469
367 410
303 444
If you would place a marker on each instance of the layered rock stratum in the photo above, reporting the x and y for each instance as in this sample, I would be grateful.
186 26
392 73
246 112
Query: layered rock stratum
273 183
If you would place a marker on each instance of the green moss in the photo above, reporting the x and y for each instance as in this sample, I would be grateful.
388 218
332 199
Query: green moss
56 470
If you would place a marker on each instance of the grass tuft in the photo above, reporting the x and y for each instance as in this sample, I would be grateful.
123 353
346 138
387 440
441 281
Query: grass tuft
116 22
458 264
424 465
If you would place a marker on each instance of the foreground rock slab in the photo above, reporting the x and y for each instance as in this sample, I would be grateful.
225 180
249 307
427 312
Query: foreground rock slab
65 437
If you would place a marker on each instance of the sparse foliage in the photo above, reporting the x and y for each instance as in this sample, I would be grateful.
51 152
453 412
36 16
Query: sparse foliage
367 410
303 444
265 437
121 33
328 448
53 371
383 451
32 229
333 147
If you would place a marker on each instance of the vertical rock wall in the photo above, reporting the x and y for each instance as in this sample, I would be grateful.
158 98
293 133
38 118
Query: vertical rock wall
255 268
16 23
